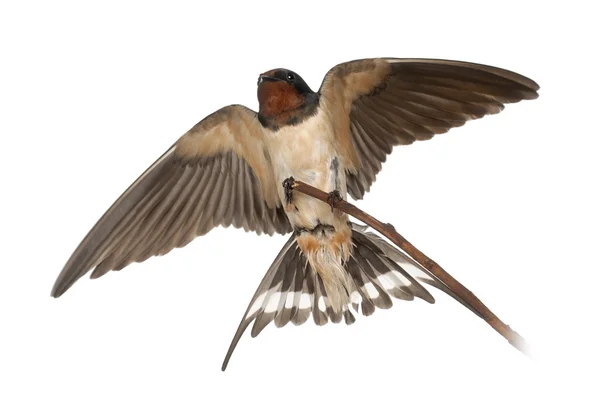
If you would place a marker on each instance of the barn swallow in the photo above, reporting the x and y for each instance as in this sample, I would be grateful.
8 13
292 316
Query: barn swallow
229 168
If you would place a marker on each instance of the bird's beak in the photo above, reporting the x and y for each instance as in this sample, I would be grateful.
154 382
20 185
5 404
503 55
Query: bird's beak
266 78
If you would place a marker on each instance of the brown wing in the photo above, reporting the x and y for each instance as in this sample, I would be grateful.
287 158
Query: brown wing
380 103
216 174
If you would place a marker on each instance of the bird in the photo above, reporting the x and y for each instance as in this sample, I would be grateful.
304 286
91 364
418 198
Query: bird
236 167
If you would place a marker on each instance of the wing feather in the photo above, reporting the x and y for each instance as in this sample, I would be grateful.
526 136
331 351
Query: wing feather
388 101
216 174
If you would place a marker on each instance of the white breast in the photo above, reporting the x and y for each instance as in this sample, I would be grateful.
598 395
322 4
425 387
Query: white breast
307 152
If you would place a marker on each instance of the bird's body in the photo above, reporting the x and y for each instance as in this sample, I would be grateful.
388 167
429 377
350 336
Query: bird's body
309 152
229 170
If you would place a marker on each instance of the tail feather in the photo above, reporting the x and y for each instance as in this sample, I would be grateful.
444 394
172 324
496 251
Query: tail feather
411 269
374 273
293 288
318 302
301 310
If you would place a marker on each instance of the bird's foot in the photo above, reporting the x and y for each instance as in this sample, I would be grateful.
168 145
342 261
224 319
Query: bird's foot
288 185
333 197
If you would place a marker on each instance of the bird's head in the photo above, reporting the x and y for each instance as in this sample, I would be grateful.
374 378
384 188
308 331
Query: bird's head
281 94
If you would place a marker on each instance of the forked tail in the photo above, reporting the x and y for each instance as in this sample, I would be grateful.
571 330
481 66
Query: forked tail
292 290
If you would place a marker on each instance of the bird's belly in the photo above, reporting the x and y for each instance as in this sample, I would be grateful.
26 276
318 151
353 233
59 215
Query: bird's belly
307 152
325 173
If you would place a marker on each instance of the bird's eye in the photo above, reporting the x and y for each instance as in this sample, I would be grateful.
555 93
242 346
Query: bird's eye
290 77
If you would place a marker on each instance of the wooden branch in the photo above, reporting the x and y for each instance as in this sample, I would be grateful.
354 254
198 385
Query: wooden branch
456 287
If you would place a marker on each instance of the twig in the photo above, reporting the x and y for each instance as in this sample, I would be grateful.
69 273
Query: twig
456 287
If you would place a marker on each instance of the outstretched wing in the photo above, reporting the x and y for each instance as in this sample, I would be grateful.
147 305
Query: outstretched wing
216 174
380 103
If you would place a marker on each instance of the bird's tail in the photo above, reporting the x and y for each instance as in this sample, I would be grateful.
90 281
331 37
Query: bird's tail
292 290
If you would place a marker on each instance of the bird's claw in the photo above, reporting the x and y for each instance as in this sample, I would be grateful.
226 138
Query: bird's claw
288 185
333 197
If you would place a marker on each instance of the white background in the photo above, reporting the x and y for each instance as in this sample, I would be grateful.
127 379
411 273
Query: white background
92 95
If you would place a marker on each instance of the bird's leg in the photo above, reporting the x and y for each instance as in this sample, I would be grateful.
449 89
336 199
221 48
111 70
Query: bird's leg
289 184
332 197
